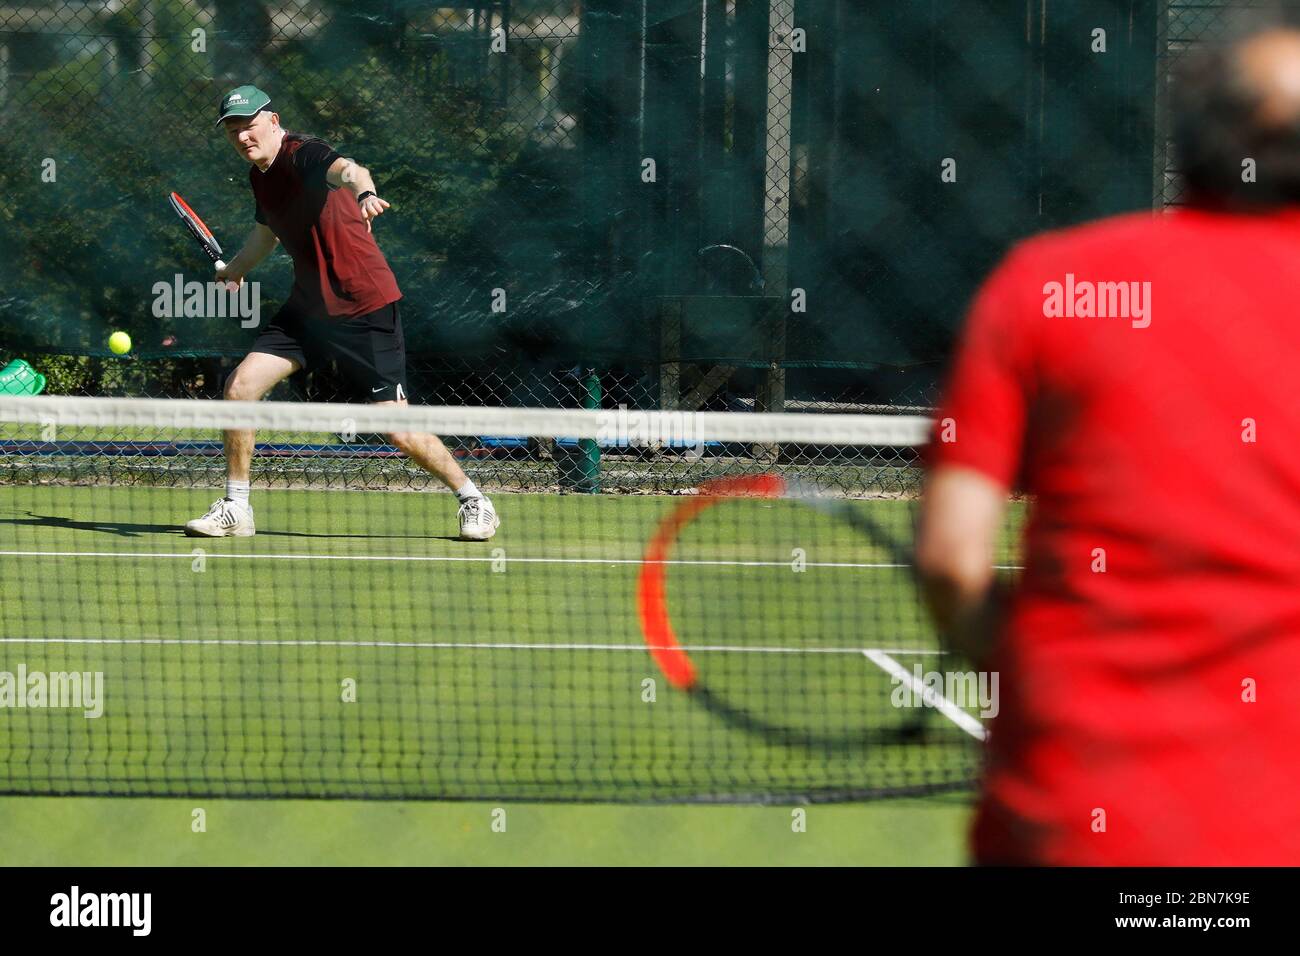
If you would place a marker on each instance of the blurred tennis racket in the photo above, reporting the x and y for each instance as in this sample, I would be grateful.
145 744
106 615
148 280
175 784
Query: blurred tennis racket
198 229
819 659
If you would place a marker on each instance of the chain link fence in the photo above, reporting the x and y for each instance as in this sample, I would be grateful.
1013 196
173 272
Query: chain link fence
1184 25
513 139
725 205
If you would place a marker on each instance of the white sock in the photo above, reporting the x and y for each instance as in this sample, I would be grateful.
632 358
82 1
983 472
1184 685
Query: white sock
237 490
468 490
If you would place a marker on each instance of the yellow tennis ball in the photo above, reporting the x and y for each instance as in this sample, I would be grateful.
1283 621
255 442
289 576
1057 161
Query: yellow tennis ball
119 343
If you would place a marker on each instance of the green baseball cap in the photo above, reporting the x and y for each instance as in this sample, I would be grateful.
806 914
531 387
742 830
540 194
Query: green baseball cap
242 101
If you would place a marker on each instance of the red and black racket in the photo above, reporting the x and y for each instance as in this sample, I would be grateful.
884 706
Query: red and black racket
199 229
796 616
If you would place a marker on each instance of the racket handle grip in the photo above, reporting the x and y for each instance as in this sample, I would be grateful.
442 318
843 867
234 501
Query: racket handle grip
219 265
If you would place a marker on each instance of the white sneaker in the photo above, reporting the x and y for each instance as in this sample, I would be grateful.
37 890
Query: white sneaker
478 519
226 518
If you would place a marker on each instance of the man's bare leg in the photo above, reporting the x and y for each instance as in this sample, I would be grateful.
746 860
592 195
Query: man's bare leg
232 515
256 375
478 519
429 453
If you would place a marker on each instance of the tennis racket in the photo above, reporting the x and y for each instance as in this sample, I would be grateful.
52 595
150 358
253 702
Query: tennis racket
816 660
198 229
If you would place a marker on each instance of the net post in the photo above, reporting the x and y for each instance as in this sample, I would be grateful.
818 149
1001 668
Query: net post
578 461
589 449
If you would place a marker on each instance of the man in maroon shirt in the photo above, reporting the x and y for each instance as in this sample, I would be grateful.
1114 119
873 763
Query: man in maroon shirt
1137 378
343 304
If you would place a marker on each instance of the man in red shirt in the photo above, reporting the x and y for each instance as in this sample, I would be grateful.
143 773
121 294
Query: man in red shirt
343 304
1136 377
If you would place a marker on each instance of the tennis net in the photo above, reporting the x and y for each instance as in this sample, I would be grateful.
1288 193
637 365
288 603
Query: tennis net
675 607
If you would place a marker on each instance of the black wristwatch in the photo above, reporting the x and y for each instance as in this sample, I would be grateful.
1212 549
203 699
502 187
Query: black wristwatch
365 195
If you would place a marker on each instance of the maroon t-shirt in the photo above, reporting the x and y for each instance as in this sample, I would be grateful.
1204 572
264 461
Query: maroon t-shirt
338 269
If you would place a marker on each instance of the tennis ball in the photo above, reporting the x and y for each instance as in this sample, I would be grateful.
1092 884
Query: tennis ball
119 343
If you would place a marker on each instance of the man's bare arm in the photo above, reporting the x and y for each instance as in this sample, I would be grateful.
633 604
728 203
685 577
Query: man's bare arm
259 244
961 514
345 174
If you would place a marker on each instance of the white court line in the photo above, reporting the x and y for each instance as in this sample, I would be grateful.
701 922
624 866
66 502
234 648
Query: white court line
931 697
189 556
445 645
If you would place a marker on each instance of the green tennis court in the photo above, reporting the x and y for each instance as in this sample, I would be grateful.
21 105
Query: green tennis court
350 649
108 831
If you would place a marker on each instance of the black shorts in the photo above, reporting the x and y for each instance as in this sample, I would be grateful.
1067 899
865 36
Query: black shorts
369 349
